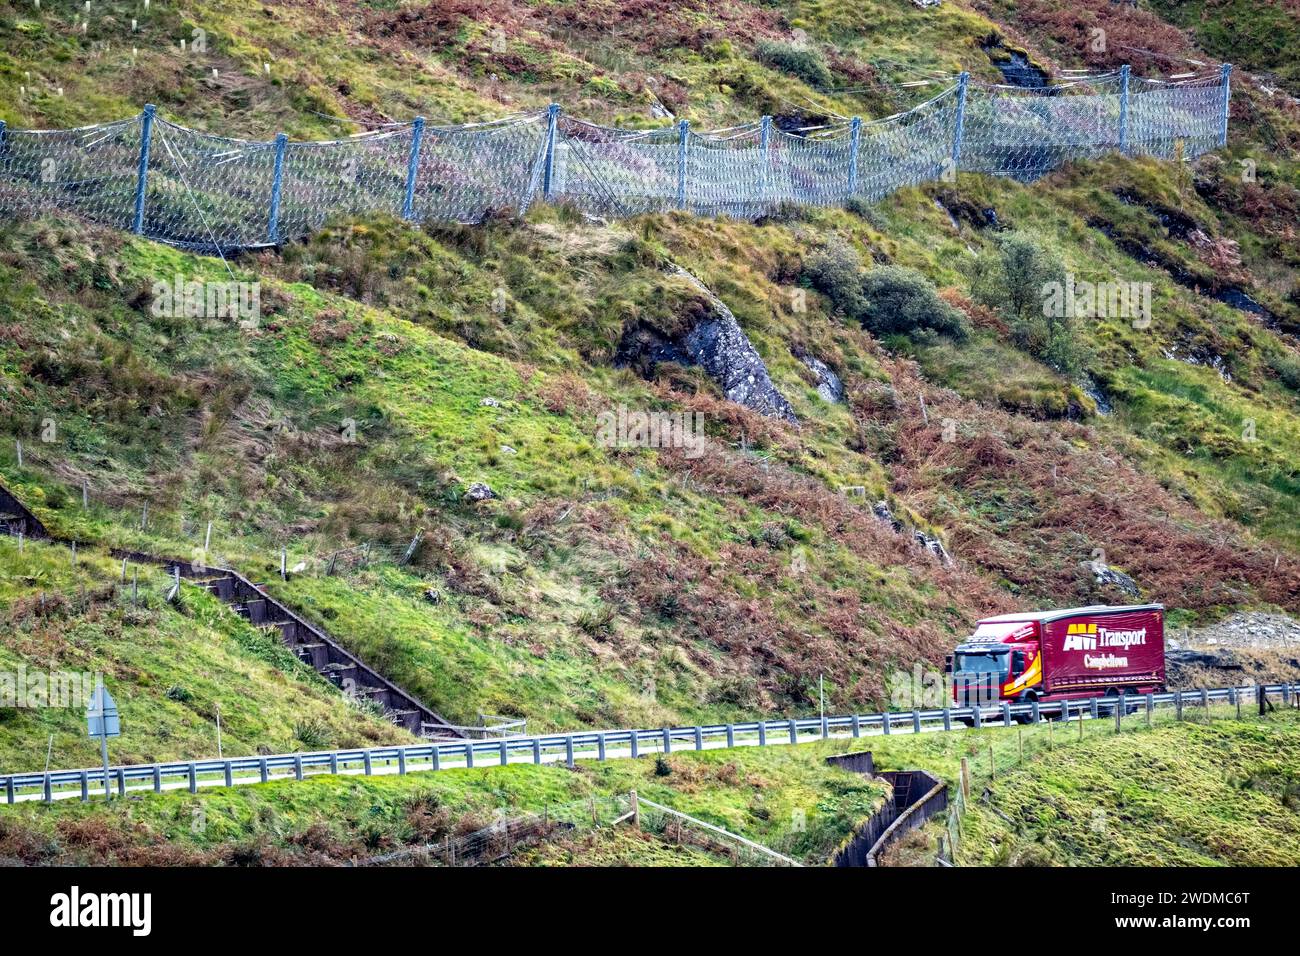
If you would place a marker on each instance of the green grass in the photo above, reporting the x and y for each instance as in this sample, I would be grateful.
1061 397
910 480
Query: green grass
1186 794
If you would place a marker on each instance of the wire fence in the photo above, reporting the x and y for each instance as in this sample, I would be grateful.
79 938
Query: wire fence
213 193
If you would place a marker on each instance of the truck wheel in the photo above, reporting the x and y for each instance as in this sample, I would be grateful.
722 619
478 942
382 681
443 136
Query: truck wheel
1028 698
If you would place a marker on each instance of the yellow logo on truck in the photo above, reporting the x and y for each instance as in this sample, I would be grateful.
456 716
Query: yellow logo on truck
1080 637
1033 675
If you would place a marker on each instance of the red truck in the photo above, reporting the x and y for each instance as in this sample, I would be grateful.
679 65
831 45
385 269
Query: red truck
1061 655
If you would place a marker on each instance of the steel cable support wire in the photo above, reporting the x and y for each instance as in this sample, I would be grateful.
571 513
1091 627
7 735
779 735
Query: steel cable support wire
594 744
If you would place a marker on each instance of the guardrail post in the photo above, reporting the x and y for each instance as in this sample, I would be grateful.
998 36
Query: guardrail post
85 786
367 763
469 753
884 723
855 140
193 779
9 790
1205 702
668 741
762 733
568 751
548 175
49 790
277 178
142 171
947 718
916 721
699 737
978 713
230 777
505 754
263 770
794 731
1123 108
635 744
435 757
157 779
401 760
1035 710
1092 707
1119 711
826 727
1226 74
731 736
765 154
537 751
121 781
600 746
1006 713
1178 704
856 722
962 83
413 168
297 767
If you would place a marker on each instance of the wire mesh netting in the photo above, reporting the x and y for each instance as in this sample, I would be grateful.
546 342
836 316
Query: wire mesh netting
215 193
1161 115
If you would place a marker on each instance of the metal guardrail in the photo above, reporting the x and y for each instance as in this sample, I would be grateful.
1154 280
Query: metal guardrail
587 744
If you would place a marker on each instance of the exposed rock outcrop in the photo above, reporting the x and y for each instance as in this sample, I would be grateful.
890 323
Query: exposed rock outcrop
716 343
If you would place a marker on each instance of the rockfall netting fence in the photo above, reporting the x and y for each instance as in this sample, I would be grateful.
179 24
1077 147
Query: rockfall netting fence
212 193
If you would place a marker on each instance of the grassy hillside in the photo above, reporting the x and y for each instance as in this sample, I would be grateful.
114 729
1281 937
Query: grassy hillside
394 366
1189 794
171 668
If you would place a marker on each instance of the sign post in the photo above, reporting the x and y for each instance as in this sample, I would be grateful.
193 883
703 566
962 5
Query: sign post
102 722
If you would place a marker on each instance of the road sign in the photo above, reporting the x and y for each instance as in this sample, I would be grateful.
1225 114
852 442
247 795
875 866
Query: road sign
101 716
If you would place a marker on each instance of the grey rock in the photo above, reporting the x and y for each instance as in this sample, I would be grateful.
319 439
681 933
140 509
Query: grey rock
881 510
1109 577
433 596
829 385
490 402
478 491
717 344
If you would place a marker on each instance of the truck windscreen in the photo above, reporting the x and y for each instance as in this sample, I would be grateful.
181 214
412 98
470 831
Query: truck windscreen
986 663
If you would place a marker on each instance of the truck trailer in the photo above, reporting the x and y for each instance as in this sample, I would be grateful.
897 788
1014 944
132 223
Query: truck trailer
1062 655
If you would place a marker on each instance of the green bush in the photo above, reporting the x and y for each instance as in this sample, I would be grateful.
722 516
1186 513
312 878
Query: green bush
901 300
798 61
887 301
1012 278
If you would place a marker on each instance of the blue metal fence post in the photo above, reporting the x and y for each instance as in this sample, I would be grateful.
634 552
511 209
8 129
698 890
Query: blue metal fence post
548 176
962 83
1226 73
1123 108
413 168
277 177
683 133
142 174
855 139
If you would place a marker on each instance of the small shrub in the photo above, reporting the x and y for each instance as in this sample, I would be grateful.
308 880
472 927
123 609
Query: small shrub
312 734
663 768
178 694
903 300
